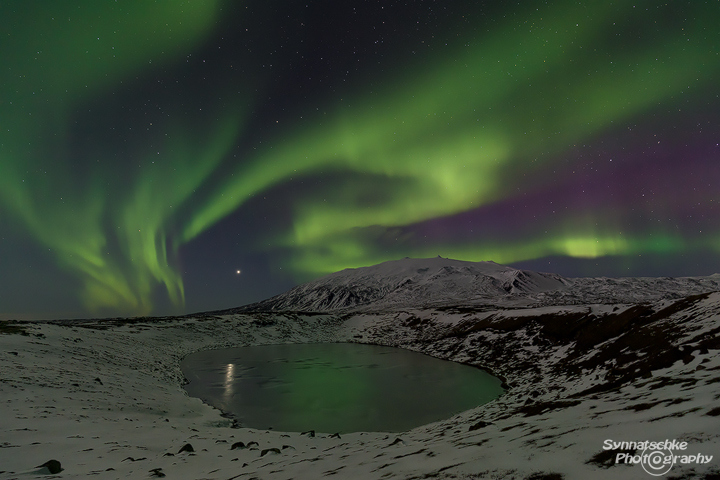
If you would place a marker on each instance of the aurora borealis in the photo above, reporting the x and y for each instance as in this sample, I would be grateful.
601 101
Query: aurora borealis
151 150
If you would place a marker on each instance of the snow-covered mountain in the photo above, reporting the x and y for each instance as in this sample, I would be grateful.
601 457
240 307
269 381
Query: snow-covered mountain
434 282
412 282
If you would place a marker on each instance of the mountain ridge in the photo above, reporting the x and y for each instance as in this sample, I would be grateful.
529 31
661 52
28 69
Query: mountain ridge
435 282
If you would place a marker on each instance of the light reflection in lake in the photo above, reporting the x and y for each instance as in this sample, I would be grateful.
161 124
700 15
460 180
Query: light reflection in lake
228 386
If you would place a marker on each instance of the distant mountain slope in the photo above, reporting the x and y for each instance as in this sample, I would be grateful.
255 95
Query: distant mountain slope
436 282
631 289
413 282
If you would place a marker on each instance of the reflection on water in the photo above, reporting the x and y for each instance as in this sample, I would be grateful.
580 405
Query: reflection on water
335 387
228 387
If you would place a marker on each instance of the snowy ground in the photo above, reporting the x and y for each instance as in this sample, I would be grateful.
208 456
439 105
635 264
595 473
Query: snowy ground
105 399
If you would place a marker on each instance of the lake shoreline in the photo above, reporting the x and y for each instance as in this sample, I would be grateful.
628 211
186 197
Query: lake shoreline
335 387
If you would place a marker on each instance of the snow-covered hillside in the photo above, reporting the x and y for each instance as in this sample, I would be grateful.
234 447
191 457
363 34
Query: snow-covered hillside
434 282
103 398
585 362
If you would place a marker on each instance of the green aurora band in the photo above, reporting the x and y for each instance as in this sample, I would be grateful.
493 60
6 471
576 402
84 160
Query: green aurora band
454 136
443 137
79 53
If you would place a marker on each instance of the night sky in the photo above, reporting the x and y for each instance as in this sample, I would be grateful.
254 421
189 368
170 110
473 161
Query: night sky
168 156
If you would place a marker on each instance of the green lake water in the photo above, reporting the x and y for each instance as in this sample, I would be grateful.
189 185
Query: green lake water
335 387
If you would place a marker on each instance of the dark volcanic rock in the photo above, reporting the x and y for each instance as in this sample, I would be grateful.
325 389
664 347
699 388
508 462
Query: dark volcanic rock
53 466
186 448
269 450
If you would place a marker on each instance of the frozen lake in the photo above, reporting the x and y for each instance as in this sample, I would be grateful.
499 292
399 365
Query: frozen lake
335 387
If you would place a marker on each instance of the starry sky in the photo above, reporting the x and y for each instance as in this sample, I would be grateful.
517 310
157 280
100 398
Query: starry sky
169 156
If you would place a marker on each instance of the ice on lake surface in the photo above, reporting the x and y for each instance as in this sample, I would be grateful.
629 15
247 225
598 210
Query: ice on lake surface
335 387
